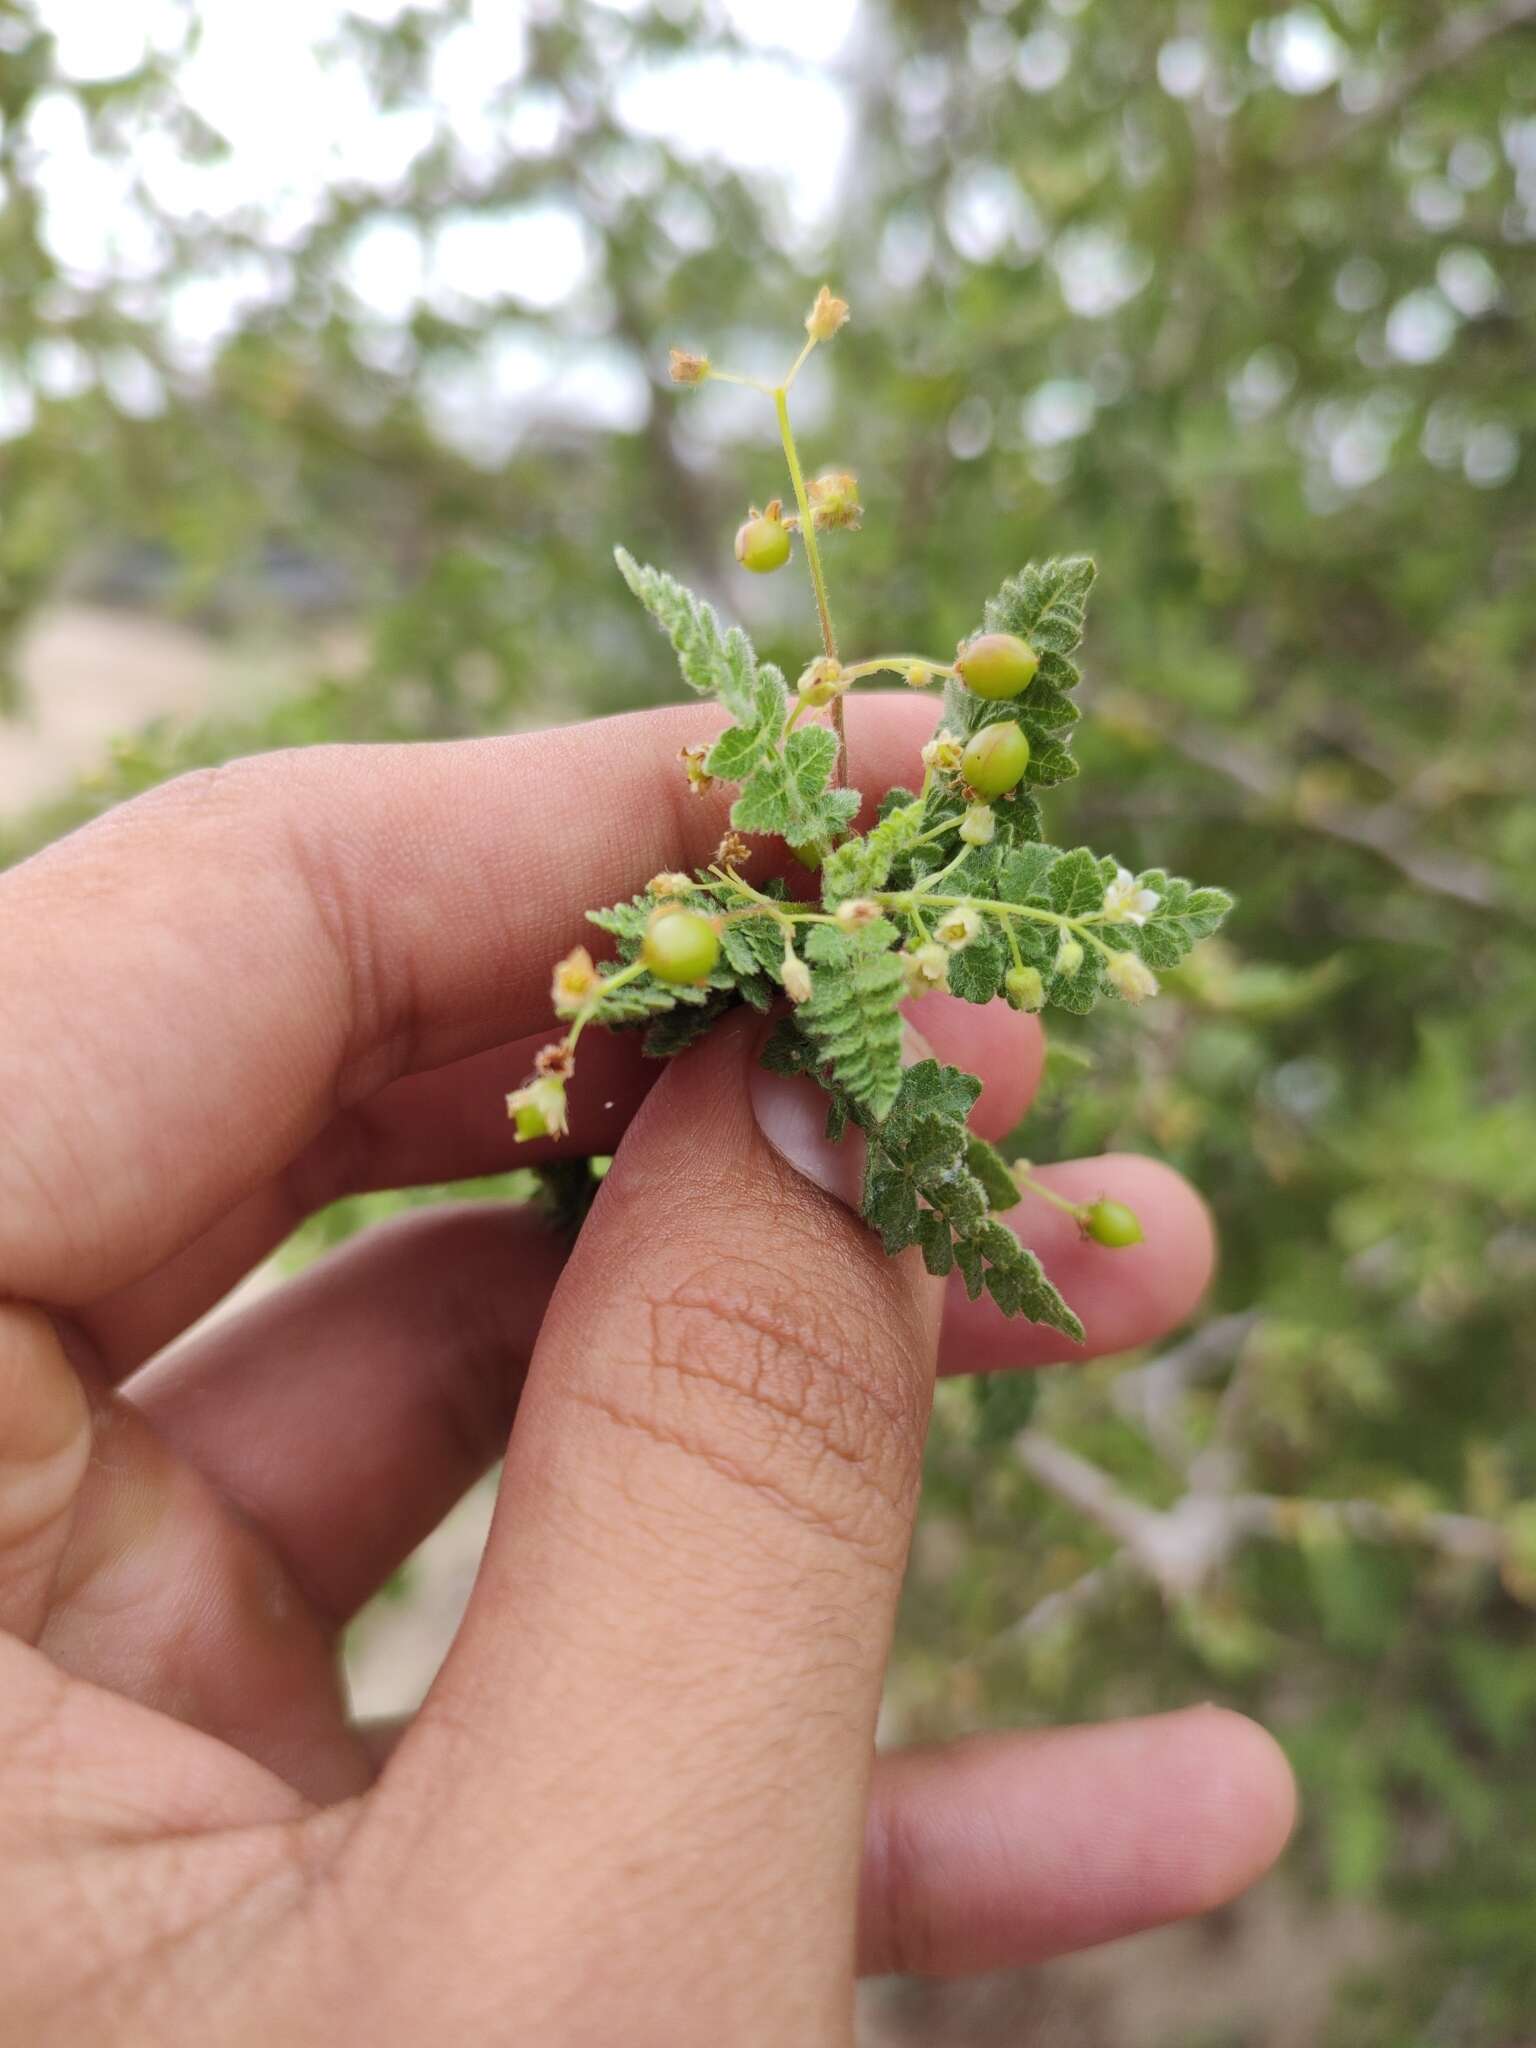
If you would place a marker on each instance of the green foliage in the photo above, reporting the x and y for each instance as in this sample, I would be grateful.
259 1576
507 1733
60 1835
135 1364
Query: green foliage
852 1018
1045 605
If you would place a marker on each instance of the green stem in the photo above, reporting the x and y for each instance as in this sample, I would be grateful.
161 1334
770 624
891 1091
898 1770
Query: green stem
902 899
594 1002
766 906
799 363
899 663
813 562
924 887
1030 1186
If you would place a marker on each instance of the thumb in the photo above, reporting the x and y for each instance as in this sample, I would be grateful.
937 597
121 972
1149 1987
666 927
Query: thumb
662 1703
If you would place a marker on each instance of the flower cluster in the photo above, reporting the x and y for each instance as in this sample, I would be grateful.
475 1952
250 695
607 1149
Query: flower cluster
952 887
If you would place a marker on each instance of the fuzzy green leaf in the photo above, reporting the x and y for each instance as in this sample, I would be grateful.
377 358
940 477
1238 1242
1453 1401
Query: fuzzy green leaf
865 864
976 971
1044 604
1184 916
713 663
1016 1281
1077 883
991 1169
852 1018
789 791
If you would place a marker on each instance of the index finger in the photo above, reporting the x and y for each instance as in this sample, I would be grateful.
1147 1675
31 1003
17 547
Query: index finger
199 981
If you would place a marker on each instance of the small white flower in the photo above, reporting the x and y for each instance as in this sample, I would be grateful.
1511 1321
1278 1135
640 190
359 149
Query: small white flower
1131 977
957 927
926 968
1124 903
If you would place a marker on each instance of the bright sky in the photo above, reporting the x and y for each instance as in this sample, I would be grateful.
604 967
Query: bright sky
299 119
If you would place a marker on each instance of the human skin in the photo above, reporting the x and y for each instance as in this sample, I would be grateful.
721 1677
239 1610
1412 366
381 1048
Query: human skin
641 1801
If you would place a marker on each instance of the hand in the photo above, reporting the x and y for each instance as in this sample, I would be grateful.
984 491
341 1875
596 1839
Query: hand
640 1802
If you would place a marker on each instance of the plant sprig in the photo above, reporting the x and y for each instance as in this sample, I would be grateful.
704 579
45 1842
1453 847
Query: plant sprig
952 887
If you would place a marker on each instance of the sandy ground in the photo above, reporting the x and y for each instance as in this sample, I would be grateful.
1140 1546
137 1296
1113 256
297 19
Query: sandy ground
1258 1976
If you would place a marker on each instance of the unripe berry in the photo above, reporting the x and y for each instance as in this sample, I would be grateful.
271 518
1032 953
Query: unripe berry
762 544
680 946
1112 1224
1024 988
997 664
537 1109
995 758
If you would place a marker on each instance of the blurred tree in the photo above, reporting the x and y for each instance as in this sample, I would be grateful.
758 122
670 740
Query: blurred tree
1241 301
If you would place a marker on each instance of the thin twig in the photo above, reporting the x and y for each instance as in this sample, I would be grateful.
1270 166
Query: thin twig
1152 1395
1386 829
1459 37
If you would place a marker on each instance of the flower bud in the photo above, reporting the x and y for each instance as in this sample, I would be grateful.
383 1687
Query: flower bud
1024 988
1069 958
826 316
693 759
855 912
978 825
919 676
684 367
1131 977
795 975
835 503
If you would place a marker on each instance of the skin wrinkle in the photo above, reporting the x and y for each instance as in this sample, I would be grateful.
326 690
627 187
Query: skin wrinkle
809 1377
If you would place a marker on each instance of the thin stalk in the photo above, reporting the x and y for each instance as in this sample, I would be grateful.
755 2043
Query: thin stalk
813 562
593 1004
900 663
1030 1186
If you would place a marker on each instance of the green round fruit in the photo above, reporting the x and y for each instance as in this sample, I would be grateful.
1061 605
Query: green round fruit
680 946
762 544
995 758
997 664
1112 1224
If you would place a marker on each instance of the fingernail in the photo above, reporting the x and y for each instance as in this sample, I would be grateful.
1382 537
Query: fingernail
791 1113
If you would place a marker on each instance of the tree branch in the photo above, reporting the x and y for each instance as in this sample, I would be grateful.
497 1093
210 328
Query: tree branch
1386 829
1459 37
